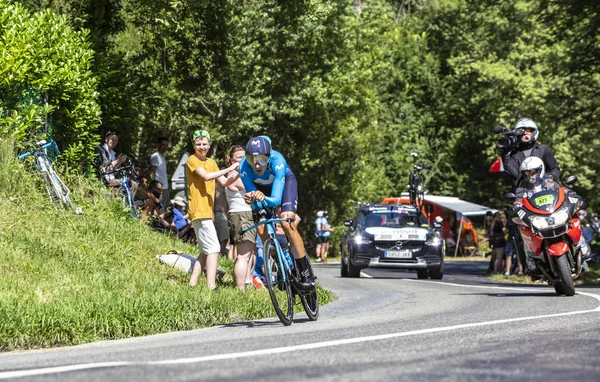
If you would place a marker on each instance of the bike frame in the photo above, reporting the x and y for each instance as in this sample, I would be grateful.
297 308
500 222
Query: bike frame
44 167
270 223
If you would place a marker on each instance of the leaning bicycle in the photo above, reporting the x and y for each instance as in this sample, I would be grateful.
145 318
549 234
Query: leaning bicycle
124 193
416 183
58 192
283 278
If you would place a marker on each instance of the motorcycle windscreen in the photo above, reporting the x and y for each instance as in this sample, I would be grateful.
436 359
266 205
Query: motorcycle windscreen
544 200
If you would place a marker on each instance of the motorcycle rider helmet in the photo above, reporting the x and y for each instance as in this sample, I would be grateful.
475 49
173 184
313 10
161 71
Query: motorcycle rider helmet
532 168
526 123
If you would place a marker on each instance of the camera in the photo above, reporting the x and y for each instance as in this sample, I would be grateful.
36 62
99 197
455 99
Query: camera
510 140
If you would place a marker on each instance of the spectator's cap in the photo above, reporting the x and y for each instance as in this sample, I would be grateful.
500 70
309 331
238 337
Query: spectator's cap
319 214
325 213
489 213
199 134
179 201
109 134
439 219
259 146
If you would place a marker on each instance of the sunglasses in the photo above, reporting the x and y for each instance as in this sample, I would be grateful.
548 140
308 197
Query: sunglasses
262 160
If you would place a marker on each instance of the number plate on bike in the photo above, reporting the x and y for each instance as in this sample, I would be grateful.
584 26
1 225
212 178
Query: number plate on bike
399 254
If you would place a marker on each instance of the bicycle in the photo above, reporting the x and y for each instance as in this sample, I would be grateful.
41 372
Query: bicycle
124 191
282 275
58 192
416 183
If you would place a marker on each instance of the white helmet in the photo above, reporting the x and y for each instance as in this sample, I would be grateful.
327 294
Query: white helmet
319 214
535 168
526 123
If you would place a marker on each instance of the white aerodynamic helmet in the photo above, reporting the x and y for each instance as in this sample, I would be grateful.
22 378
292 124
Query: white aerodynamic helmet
526 123
532 168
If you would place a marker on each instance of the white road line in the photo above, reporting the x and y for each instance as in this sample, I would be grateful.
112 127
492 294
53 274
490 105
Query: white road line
288 349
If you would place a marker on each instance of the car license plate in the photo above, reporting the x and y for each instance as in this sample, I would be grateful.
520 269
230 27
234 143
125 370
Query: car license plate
399 254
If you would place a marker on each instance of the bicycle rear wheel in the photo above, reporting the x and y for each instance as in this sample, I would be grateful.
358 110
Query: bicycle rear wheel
310 301
279 283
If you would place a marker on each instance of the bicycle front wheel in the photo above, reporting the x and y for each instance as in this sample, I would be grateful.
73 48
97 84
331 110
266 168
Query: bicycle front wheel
127 202
310 301
279 283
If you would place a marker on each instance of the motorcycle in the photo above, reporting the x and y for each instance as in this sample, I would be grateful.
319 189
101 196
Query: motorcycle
551 233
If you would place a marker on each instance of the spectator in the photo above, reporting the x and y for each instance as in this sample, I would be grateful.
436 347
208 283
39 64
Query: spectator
184 230
499 233
326 230
319 235
158 170
201 173
106 161
152 207
239 217
221 224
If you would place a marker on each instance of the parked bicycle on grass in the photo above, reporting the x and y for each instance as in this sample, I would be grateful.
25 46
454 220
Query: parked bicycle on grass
281 274
58 192
124 191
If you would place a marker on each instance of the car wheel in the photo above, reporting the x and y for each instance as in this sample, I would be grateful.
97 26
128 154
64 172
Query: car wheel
343 268
422 274
437 273
352 270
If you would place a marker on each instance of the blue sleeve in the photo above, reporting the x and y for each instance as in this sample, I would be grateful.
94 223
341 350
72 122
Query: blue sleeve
279 168
246 175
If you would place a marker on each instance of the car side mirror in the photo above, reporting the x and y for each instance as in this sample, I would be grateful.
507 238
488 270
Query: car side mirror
510 196
348 223
571 180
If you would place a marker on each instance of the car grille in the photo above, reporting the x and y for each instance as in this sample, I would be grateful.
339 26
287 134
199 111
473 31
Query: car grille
554 232
399 244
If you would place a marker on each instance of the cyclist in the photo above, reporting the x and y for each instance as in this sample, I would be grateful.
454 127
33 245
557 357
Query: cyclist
267 177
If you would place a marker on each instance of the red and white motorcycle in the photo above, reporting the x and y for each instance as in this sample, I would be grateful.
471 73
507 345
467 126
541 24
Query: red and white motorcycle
552 235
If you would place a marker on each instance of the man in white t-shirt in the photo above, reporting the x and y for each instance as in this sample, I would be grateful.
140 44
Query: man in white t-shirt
158 171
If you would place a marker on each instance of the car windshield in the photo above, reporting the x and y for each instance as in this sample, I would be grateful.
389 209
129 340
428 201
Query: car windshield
391 219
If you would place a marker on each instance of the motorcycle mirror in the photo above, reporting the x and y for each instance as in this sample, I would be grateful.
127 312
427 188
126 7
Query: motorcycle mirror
499 129
510 196
571 180
348 223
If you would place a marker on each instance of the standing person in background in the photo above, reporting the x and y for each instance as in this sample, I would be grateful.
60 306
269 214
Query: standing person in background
239 218
201 173
158 170
325 233
221 225
318 235
499 233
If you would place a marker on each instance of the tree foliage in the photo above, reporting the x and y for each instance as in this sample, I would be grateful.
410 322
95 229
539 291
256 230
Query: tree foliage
347 90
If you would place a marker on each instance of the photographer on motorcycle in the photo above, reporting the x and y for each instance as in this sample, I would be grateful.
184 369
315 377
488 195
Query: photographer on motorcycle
522 143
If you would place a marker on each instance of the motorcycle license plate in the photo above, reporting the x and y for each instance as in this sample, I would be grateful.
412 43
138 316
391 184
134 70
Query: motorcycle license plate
399 254
545 199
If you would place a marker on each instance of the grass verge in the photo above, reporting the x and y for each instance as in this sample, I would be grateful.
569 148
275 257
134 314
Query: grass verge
70 279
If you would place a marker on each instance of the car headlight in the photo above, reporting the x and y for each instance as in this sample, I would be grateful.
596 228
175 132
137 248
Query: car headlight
434 240
358 239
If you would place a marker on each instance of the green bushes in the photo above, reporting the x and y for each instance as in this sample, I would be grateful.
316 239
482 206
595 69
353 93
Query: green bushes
42 55
69 279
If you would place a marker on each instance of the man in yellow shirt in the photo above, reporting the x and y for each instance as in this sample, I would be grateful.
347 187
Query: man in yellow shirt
201 174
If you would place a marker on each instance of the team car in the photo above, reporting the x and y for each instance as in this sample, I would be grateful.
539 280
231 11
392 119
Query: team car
391 236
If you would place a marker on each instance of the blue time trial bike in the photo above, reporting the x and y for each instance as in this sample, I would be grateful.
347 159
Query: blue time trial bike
58 192
282 275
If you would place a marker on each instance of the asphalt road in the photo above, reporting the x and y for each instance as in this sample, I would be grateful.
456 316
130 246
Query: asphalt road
386 325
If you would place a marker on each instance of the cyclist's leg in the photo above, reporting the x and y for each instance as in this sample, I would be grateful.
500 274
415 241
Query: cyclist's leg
289 204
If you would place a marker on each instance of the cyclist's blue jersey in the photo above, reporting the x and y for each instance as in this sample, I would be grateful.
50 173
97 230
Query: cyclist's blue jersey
273 178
